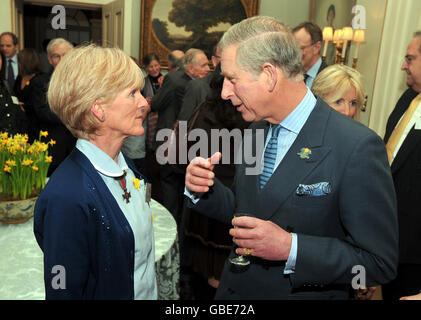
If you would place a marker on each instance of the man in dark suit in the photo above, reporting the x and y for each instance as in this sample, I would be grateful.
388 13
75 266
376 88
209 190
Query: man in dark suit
198 89
403 143
324 207
48 120
175 59
167 102
310 38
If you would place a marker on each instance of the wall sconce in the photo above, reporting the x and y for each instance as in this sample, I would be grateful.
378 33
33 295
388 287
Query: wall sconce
359 37
340 38
327 36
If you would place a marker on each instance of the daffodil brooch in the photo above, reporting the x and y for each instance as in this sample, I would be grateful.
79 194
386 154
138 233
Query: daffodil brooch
304 153
136 183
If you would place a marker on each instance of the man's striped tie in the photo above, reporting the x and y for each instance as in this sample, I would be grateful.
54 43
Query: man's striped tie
270 156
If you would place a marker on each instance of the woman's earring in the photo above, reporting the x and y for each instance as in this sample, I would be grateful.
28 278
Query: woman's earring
103 118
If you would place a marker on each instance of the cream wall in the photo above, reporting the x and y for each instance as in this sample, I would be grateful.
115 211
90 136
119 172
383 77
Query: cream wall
369 51
287 11
132 27
5 16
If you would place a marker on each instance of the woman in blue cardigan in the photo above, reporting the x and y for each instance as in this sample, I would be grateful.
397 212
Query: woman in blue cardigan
92 220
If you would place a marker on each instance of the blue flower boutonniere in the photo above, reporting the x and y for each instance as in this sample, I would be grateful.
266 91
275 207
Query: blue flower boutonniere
304 153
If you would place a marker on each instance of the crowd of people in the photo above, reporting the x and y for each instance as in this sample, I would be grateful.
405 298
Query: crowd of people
331 195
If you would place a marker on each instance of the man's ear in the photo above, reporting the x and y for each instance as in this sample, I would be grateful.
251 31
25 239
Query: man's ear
271 76
189 69
318 46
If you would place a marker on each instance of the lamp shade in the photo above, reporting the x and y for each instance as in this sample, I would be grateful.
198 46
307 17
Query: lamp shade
337 36
348 33
327 33
359 35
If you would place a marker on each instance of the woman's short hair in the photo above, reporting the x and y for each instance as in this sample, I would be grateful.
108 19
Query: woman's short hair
335 80
149 58
29 61
87 75
263 39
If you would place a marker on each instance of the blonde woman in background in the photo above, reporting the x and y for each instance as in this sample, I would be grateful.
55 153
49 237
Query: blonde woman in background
340 86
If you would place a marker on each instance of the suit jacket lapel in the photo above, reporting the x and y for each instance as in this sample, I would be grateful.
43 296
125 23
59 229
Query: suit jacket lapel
292 170
412 140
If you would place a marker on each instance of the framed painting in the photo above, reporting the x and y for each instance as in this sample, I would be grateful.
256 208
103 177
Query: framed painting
168 25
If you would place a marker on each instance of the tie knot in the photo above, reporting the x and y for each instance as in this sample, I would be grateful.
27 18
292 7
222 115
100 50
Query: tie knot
275 130
10 60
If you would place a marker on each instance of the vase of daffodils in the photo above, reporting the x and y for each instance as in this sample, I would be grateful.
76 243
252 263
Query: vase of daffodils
23 172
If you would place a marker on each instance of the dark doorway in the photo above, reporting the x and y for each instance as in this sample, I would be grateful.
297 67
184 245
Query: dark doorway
82 25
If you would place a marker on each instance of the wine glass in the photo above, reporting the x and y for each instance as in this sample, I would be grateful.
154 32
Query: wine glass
239 259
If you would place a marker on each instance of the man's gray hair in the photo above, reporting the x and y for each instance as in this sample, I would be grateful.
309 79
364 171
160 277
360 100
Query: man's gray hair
263 39
55 42
190 57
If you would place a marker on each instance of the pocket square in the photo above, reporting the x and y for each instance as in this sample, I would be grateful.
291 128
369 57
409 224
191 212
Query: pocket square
314 190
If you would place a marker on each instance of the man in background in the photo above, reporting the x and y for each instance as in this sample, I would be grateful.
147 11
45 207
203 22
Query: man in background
175 60
9 46
167 102
65 142
403 144
310 37
198 89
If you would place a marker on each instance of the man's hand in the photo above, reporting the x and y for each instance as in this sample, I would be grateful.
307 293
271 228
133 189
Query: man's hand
414 297
261 238
199 173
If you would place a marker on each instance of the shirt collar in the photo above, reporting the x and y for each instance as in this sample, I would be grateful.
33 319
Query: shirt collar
14 58
101 161
297 118
312 72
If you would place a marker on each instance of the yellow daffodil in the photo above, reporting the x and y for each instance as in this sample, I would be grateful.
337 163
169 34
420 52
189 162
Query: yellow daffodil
11 163
52 142
136 182
26 165
27 162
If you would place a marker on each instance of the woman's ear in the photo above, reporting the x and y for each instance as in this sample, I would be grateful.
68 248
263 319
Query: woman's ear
271 76
98 111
